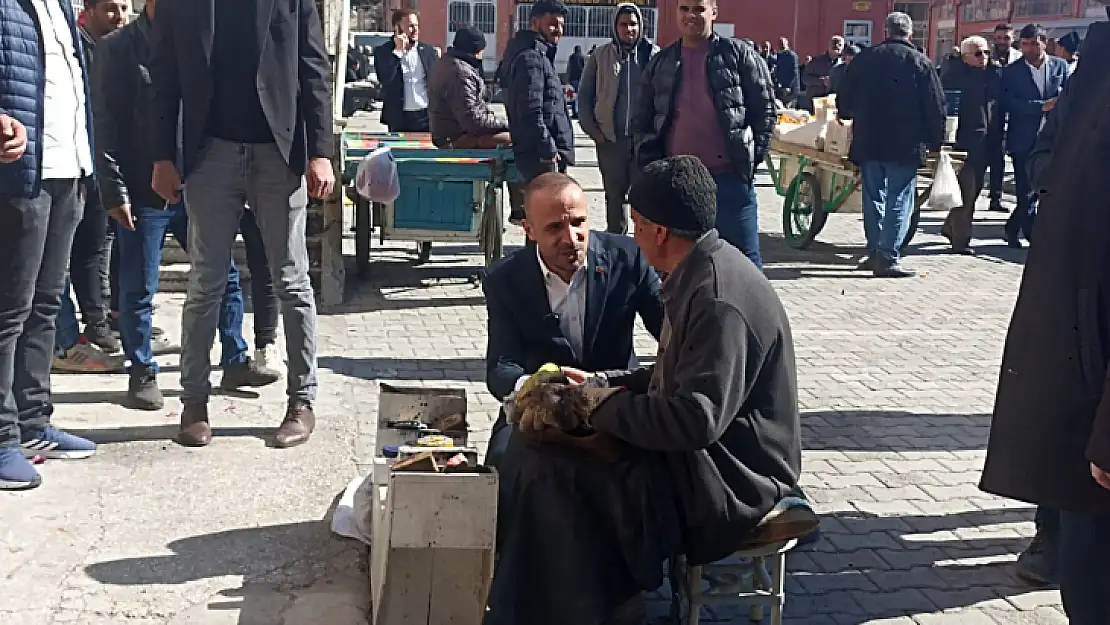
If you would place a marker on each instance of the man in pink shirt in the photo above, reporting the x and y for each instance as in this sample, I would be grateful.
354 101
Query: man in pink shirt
713 98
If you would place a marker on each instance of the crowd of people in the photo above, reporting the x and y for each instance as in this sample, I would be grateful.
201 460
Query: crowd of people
195 121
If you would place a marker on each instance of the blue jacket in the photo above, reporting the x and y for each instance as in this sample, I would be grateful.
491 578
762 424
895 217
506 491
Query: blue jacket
22 83
524 334
1022 101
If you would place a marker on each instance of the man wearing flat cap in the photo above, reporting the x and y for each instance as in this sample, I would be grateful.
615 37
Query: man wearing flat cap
611 473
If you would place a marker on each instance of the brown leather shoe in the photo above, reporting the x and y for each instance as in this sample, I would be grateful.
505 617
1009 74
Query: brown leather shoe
297 426
195 431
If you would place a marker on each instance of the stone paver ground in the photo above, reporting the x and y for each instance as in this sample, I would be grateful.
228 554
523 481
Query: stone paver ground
896 380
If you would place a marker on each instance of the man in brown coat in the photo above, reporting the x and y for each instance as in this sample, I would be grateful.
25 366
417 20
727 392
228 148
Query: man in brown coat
459 114
1053 402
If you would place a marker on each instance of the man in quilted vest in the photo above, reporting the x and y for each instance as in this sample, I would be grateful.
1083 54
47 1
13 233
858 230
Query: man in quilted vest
45 155
607 97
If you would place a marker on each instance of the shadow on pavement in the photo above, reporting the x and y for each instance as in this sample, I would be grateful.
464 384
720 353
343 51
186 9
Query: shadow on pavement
454 369
279 564
165 433
893 430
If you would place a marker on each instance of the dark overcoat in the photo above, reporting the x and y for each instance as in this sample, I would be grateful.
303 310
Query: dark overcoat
1052 411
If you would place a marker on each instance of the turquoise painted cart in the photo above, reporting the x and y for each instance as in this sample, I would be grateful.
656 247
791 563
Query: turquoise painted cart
815 184
447 196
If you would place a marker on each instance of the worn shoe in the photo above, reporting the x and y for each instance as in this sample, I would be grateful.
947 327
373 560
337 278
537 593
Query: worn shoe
791 518
87 358
893 270
1013 240
867 263
268 357
195 430
996 206
16 472
1038 564
297 426
101 336
248 373
142 390
55 444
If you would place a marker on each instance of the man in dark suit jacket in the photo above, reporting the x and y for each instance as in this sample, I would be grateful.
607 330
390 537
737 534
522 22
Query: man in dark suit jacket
571 299
248 83
403 66
1029 91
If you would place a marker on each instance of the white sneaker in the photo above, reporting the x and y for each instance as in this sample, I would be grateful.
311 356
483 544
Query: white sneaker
87 358
269 357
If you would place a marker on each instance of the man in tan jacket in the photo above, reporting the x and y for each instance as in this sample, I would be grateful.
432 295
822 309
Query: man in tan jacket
607 99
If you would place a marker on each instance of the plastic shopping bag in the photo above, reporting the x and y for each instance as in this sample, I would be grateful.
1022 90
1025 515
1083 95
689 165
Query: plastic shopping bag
946 187
376 178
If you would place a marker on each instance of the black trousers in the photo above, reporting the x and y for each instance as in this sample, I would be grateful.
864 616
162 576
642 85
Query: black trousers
264 302
412 121
36 236
618 170
89 264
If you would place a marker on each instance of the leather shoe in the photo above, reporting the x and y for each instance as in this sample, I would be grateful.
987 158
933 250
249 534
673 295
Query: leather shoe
297 426
195 430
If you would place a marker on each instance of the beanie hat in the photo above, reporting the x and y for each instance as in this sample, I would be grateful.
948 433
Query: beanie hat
546 7
677 192
469 39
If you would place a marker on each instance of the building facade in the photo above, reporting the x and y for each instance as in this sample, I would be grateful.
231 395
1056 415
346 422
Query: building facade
953 20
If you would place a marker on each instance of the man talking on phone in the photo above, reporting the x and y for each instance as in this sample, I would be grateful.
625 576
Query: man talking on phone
543 138
403 66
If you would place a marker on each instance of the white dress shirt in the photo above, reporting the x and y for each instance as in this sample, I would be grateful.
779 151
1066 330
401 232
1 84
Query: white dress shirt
568 304
1040 78
66 152
415 81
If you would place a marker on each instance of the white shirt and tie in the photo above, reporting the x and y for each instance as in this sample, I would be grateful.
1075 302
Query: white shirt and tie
66 153
568 305
414 79
1040 78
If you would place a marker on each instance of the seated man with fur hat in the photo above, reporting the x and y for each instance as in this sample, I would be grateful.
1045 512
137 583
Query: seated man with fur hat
610 474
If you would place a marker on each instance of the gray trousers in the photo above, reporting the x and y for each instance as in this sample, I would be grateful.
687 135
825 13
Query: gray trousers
227 177
618 169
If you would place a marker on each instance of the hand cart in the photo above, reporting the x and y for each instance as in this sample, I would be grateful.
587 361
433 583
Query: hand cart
814 184
449 196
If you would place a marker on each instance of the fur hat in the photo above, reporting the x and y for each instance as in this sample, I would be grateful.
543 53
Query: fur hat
677 192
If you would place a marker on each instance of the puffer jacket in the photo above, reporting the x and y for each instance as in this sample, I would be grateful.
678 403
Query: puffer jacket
121 89
22 84
456 106
536 104
743 93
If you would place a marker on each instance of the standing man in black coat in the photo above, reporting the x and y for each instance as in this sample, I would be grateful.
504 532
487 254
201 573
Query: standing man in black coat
893 93
576 64
979 134
1053 401
543 138
241 94
403 66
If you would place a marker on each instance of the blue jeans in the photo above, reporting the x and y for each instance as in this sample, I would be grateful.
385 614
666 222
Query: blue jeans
1085 568
66 331
738 215
140 258
888 202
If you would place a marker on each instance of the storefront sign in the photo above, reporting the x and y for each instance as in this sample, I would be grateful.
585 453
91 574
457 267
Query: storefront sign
612 3
861 6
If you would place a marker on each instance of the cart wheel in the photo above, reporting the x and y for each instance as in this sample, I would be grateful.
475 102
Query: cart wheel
915 219
803 214
363 228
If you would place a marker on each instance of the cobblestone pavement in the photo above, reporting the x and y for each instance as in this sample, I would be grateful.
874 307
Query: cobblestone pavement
897 381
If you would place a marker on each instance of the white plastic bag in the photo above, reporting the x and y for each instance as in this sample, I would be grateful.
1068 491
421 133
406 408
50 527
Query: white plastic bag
354 513
376 178
946 187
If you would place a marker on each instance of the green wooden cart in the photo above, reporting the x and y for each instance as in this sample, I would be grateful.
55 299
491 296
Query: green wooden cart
815 184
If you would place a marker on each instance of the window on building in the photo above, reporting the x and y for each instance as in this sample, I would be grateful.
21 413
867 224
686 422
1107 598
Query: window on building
601 22
485 17
946 40
649 23
523 17
985 10
919 13
946 11
1037 8
458 14
575 22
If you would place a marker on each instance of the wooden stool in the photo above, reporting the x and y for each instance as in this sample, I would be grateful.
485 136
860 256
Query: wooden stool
728 583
